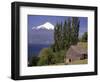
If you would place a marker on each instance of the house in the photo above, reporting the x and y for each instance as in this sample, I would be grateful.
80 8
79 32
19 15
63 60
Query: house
76 52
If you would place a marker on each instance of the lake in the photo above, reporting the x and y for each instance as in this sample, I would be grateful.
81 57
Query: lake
34 49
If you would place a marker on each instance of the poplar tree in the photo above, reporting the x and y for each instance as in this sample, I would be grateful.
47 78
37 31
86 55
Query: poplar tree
64 34
75 30
68 33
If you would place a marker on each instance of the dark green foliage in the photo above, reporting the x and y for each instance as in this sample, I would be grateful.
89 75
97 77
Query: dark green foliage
57 37
75 30
66 34
59 56
46 57
33 61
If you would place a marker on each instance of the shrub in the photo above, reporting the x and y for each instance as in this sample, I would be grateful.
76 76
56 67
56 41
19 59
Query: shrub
33 61
46 57
59 56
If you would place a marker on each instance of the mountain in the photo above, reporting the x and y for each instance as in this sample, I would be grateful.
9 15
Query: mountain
42 34
47 26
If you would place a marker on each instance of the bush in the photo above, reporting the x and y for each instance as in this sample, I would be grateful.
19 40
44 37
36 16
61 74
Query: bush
46 57
59 56
33 61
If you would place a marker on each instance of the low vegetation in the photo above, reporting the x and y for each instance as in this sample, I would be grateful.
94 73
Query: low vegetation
48 57
85 61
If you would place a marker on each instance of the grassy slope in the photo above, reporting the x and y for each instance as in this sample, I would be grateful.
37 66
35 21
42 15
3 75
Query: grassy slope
85 61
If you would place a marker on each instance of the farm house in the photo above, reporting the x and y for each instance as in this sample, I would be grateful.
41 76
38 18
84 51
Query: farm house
76 52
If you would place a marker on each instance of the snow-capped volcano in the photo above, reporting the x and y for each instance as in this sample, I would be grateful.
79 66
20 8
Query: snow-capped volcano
47 26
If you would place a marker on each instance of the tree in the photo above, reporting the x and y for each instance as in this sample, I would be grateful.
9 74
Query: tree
55 45
75 30
84 37
66 34
33 61
57 37
46 57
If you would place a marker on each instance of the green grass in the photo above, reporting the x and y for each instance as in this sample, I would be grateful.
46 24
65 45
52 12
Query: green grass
85 61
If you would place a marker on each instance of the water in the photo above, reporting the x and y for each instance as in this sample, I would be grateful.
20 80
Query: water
34 49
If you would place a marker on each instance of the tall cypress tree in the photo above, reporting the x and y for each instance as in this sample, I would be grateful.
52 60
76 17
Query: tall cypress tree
64 34
55 47
75 30
68 33
57 37
60 36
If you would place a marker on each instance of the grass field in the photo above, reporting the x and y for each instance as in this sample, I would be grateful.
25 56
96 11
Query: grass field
85 61
83 44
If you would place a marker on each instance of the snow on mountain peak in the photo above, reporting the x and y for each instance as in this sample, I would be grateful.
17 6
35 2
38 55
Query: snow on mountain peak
46 25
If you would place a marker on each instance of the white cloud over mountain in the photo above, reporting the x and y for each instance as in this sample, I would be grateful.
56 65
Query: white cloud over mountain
47 26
